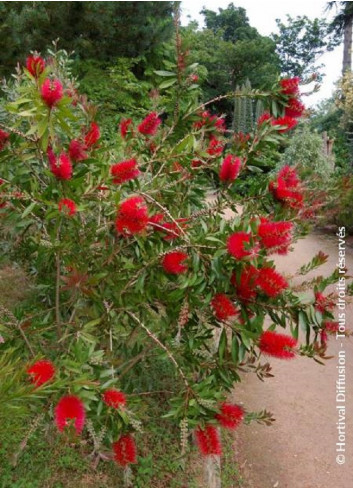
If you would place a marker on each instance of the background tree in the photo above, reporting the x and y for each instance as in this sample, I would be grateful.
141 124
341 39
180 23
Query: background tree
300 42
341 26
233 52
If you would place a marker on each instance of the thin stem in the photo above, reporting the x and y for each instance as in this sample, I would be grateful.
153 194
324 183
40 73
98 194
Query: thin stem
162 346
19 327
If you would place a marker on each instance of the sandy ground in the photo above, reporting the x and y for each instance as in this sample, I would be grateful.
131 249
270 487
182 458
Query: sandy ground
299 449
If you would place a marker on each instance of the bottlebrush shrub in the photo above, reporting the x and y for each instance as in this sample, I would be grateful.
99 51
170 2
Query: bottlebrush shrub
134 265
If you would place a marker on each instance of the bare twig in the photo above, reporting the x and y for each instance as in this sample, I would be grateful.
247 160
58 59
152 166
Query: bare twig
162 346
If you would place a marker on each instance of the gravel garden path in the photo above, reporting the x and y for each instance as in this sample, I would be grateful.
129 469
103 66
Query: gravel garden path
299 449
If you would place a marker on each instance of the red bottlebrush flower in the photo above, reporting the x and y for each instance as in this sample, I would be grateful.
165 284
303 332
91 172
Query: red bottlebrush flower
220 124
124 171
236 245
277 345
208 440
247 282
196 163
290 86
41 372
173 229
51 92
330 327
287 122
286 188
125 450
266 116
70 407
67 206
231 416
77 150
294 109
194 78
323 303
223 307
275 236
271 282
4 137
114 398
172 262
289 176
149 125
61 167
132 216
92 135
155 219
323 337
124 127
230 168
35 65
215 147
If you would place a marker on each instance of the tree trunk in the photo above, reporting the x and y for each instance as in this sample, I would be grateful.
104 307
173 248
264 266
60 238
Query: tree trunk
347 46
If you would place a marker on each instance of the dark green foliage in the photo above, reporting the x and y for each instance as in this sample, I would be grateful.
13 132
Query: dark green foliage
101 30
233 53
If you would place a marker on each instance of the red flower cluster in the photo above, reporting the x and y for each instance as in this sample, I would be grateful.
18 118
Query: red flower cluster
208 440
41 372
92 135
70 407
323 303
173 229
246 287
4 137
35 65
124 127
230 168
196 163
149 125
114 398
290 86
231 416
277 345
132 216
173 262
215 147
237 245
77 150
210 121
275 236
223 307
51 92
241 139
266 116
270 281
295 108
124 171
286 188
125 451
286 122
330 327
67 206
61 167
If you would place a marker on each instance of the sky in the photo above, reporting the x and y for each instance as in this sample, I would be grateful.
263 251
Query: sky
263 15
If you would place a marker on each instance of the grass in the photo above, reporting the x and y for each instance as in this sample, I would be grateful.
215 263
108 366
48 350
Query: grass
46 459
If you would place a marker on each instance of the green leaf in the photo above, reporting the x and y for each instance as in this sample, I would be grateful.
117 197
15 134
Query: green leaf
235 349
222 345
168 83
28 210
165 73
